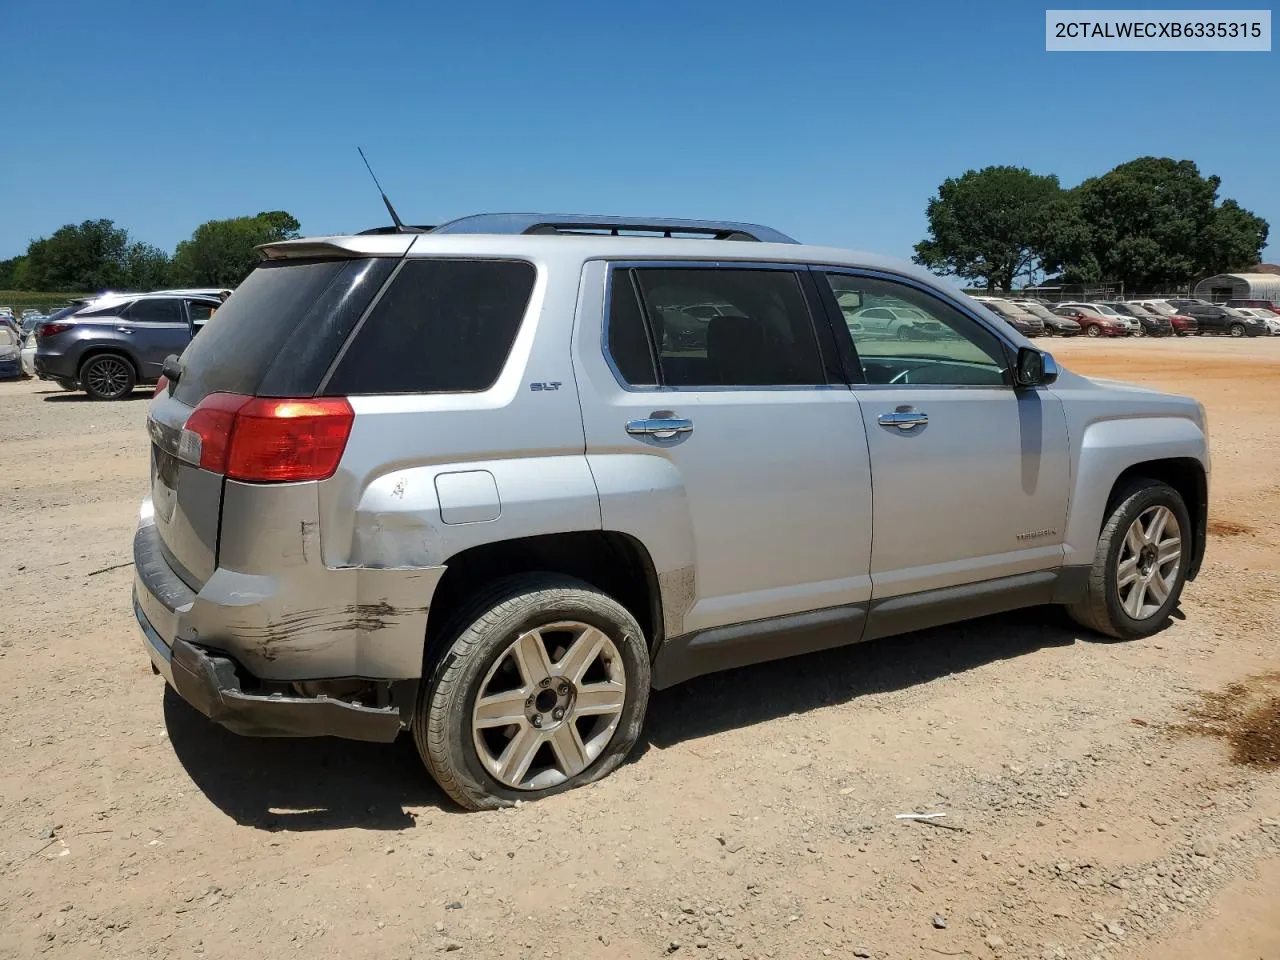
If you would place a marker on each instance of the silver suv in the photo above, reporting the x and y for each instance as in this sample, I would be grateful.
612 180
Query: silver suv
493 482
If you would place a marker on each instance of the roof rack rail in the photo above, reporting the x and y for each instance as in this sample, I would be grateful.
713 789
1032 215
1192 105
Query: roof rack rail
580 224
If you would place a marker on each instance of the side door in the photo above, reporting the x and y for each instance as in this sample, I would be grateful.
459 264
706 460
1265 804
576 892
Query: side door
742 456
156 327
971 477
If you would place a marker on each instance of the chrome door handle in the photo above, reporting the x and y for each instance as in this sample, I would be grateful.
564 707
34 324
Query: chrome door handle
660 428
124 329
903 419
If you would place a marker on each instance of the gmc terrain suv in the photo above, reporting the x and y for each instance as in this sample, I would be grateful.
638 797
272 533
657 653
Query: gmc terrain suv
467 482
115 342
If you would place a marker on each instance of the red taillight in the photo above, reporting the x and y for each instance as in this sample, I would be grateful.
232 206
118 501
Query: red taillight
269 440
50 329
162 384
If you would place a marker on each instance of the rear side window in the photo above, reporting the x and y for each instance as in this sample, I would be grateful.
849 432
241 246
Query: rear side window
161 310
281 329
442 326
762 334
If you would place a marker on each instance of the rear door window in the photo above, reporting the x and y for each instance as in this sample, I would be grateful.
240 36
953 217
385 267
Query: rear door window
442 326
763 334
155 310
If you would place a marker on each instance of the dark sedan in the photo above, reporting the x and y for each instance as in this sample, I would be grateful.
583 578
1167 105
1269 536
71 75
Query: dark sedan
1151 324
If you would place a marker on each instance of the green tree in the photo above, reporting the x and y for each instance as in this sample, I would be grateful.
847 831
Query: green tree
986 225
88 256
11 271
1155 221
220 253
145 267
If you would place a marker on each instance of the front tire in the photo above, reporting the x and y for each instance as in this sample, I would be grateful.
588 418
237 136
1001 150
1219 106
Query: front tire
1092 331
1140 565
543 688
108 376
1236 330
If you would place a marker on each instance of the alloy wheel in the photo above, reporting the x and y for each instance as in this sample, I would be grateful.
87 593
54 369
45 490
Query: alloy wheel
549 705
108 377
1148 562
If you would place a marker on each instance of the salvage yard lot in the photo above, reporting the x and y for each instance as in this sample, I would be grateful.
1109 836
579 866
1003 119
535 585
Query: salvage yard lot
1107 807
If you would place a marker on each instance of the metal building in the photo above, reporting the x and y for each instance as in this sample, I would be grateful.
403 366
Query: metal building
1239 286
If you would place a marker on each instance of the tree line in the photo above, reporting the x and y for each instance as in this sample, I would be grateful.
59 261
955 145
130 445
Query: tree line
1150 223
98 255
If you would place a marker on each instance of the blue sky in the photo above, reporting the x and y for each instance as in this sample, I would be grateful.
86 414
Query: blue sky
832 121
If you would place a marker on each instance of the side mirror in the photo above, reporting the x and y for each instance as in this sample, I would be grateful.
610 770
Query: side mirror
1034 368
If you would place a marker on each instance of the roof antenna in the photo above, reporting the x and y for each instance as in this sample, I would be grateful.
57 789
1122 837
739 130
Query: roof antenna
395 217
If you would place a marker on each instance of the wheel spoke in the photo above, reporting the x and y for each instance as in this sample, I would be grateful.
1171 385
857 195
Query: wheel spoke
1169 550
1133 538
501 709
600 699
531 656
1133 602
1159 519
518 754
568 748
581 654
1127 572
1159 588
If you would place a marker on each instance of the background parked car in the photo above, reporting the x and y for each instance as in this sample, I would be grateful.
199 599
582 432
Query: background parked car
1093 323
116 342
1054 325
903 323
1271 306
10 352
1026 323
28 354
1150 323
1130 324
1266 316
1217 319
1183 325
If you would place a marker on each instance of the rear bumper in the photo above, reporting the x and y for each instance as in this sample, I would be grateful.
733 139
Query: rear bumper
215 684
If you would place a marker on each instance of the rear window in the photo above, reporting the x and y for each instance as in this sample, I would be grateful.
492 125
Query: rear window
442 326
279 332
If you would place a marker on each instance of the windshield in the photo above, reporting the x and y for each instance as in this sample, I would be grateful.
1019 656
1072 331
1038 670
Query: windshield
1103 309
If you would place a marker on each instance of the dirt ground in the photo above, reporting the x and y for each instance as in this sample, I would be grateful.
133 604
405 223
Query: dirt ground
1104 804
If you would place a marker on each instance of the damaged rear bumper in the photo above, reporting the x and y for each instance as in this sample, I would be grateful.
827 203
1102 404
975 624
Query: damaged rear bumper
223 690
210 683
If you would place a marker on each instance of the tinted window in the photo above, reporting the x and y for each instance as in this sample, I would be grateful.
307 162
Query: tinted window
160 310
442 326
762 336
281 329
629 344
930 342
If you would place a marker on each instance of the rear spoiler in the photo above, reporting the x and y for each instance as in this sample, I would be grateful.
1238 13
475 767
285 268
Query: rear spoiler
338 248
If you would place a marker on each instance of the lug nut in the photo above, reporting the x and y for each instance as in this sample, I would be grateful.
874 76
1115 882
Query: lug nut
544 682
536 720
559 713
564 689
529 702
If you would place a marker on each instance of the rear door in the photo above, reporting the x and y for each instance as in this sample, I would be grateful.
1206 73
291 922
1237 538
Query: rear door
276 337
971 476
156 327
747 439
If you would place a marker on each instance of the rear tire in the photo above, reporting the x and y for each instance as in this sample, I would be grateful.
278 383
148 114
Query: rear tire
594 665
107 376
1140 565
